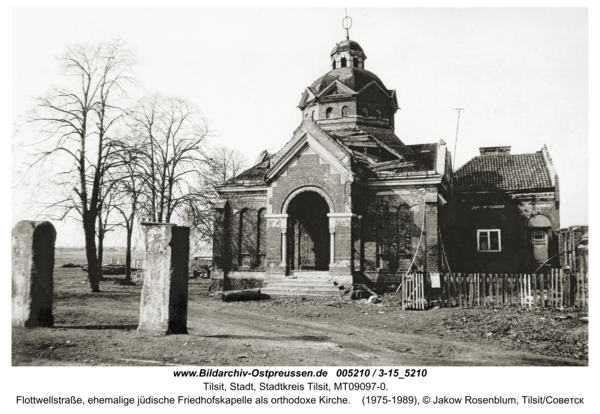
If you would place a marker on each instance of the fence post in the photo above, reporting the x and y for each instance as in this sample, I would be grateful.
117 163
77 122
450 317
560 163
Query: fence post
421 292
403 291
522 281
488 280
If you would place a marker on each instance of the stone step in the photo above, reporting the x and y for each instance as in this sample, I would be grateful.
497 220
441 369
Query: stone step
316 274
300 282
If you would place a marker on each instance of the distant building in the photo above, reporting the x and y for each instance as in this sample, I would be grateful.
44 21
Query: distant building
574 248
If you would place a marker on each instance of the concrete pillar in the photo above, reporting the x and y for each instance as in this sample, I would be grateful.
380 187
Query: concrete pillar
164 302
32 269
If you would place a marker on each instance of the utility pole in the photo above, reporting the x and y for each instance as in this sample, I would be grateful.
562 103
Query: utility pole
456 139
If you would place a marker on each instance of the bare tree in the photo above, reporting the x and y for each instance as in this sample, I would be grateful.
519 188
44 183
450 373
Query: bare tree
77 122
172 152
128 188
106 209
224 164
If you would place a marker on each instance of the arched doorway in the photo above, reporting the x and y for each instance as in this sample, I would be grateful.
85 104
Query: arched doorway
308 230
539 232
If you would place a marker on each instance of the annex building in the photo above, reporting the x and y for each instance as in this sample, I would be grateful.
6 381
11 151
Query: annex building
346 201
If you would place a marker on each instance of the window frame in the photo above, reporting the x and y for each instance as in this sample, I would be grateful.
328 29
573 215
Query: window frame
533 240
479 231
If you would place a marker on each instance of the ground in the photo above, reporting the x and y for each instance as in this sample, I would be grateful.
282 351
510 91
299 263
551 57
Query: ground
100 329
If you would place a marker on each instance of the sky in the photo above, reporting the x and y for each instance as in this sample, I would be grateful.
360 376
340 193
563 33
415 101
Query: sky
520 73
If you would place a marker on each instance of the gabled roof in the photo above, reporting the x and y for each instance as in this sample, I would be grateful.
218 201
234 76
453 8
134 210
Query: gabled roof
504 172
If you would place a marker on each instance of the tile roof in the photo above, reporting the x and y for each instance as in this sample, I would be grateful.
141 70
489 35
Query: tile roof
504 172
255 174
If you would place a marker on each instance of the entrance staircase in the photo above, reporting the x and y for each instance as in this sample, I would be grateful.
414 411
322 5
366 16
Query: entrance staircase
303 283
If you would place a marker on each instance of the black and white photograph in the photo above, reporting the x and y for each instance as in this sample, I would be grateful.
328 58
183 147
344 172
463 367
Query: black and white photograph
348 188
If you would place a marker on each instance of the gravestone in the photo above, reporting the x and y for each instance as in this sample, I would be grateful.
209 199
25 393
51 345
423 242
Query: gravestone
32 269
164 302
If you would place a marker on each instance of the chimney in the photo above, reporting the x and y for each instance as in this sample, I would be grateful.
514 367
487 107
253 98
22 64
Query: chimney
494 151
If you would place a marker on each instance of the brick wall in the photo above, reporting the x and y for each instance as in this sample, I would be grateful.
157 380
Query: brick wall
510 216
390 231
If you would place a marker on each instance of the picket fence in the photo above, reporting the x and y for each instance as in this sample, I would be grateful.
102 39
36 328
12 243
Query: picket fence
554 289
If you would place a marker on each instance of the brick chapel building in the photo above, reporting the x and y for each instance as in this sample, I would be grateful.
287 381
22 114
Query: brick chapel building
344 199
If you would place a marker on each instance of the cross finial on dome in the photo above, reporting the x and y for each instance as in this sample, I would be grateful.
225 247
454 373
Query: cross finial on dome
347 24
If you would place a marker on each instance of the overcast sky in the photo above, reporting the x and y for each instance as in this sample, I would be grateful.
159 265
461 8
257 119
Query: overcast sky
521 74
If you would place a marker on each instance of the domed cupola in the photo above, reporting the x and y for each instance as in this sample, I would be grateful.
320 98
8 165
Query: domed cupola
349 95
348 54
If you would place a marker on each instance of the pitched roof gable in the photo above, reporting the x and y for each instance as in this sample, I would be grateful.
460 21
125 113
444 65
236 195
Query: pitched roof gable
310 135
504 172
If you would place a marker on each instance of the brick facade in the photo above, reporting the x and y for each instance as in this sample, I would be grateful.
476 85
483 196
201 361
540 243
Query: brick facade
344 190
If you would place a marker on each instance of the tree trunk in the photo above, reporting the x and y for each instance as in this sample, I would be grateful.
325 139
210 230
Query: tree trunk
100 247
128 253
89 227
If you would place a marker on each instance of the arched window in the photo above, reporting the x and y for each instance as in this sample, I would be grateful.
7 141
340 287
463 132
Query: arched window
381 246
247 238
343 62
365 112
405 225
261 237
345 112
334 64
329 113
312 115
355 62
378 114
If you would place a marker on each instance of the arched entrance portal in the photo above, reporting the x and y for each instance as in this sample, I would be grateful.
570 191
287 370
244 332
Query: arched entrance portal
308 230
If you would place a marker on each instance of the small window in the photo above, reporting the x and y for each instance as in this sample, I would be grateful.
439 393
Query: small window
329 113
355 62
345 112
365 112
378 114
334 64
538 238
312 115
488 240
343 61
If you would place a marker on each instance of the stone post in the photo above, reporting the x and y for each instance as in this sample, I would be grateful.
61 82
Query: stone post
284 246
164 302
32 269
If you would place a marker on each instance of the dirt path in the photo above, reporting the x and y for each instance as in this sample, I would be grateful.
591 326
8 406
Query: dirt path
100 329
324 344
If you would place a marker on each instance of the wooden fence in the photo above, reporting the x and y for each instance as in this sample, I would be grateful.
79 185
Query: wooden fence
555 289
135 263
